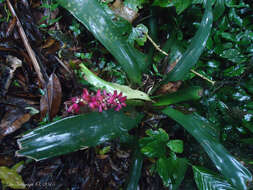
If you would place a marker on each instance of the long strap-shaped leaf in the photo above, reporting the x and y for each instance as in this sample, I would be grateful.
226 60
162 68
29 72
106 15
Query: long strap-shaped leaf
110 34
76 132
208 180
196 47
203 132
111 87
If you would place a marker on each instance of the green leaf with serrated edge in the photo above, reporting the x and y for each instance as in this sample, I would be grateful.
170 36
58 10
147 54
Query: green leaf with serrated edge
10 178
75 133
109 30
195 49
208 180
154 146
205 134
176 146
111 87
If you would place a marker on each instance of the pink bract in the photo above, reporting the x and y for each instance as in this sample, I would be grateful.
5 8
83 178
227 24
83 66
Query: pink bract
100 101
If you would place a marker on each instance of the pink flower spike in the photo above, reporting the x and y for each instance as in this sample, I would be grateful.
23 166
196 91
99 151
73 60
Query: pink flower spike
122 99
105 93
86 95
102 100
74 99
98 93
74 108
100 108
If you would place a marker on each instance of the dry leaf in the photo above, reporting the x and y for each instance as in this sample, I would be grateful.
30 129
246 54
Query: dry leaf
124 11
51 101
12 121
170 87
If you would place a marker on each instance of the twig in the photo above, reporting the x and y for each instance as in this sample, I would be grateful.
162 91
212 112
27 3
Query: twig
203 77
155 45
63 65
26 44
163 52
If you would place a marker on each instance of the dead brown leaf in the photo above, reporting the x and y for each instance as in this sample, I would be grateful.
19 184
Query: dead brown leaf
11 26
123 11
12 121
170 87
51 101
172 65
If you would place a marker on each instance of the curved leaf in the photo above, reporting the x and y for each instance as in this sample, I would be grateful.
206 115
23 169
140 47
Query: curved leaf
110 87
190 93
76 132
205 134
195 49
219 9
208 180
110 33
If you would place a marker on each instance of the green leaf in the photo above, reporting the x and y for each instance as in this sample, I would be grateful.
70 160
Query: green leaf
186 94
233 55
112 32
176 146
104 150
138 34
208 180
207 136
134 4
172 171
195 49
179 4
234 70
163 3
163 167
249 86
219 9
247 141
154 145
75 133
111 87
234 4
235 18
136 168
10 178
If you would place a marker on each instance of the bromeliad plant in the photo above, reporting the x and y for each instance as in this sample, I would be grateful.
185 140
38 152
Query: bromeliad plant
102 123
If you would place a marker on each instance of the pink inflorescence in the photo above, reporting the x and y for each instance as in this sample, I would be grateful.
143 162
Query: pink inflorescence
100 101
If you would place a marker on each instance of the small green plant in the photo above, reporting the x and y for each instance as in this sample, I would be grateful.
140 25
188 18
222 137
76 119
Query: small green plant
75 28
51 6
7 14
158 147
